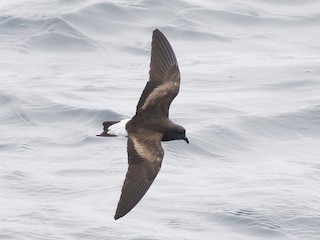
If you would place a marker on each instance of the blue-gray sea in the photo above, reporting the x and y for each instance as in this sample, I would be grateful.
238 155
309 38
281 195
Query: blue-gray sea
249 99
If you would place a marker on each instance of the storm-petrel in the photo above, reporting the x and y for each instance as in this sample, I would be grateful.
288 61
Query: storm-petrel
149 126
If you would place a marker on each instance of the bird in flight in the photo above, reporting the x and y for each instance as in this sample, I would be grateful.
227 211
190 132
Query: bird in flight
149 126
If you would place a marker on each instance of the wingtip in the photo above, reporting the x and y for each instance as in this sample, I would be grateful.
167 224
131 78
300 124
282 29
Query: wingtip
157 32
162 51
117 216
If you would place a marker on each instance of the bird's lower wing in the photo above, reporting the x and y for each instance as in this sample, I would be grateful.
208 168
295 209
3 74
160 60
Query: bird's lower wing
145 158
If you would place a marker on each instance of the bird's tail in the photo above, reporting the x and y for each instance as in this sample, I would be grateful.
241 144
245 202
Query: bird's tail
106 125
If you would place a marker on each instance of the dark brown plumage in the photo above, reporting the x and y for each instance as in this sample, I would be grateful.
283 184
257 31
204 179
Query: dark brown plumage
150 125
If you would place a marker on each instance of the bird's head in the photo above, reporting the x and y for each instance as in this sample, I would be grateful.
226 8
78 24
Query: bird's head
185 137
181 134
175 132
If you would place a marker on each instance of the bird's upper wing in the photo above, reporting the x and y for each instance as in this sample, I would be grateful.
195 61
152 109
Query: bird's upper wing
144 157
163 85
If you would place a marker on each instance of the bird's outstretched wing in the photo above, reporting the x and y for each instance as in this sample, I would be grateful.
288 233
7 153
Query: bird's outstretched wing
144 157
163 85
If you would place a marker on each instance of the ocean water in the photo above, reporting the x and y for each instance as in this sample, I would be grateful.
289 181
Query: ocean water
249 99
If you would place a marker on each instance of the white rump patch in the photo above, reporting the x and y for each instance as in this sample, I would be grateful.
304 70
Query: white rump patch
119 129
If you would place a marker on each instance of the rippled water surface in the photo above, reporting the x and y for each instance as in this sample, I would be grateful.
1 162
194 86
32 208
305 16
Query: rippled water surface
249 99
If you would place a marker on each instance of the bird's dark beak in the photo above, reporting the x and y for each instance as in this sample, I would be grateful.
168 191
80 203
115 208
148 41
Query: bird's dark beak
186 139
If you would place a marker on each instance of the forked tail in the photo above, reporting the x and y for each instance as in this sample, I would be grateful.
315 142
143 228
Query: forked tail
106 125
115 128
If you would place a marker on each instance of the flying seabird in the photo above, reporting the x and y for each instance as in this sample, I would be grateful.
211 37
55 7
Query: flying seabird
149 126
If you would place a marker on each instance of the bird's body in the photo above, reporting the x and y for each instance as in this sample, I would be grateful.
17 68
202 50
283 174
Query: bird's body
149 126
